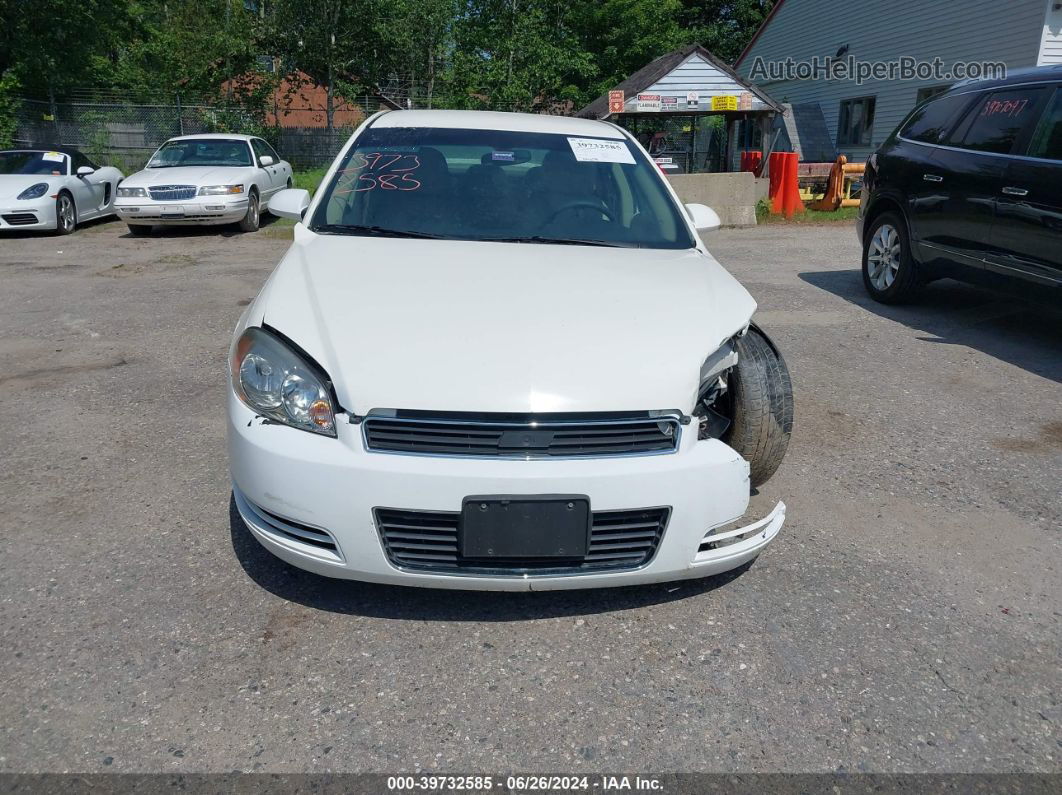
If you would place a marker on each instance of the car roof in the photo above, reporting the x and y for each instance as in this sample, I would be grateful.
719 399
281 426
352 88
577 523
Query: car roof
494 120
212 137
1033 74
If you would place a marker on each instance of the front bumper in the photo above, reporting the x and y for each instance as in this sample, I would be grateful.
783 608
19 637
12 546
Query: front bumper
333 485
27 214
197 211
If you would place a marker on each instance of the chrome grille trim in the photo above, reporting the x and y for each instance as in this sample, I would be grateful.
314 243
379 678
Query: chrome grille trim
167 193
553 436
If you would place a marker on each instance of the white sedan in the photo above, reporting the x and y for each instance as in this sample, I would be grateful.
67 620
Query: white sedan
498 356
53 189
201 180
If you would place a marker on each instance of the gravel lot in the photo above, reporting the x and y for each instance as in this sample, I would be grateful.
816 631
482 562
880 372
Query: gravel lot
908 618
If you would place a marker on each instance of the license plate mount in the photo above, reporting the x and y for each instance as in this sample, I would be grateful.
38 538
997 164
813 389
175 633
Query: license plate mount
525 527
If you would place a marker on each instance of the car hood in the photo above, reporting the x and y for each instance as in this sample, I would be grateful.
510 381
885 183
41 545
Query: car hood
187 175
502 327
11 185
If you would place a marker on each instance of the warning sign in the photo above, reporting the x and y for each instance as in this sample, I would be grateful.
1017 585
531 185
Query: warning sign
615 101
725 102
648 102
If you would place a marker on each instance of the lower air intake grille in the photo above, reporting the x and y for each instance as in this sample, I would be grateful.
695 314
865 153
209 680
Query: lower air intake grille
521 436
286 528
20 219
427 540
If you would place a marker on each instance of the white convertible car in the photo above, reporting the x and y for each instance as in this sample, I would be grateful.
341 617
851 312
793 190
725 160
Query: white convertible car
53 189
204 179
498 356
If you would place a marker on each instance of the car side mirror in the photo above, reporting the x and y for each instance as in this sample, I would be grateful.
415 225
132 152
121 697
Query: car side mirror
704 218
290 203
84 171
266 160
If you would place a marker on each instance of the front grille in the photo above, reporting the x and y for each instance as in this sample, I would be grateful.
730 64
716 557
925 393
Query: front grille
521 436
20 219
427 540
167 193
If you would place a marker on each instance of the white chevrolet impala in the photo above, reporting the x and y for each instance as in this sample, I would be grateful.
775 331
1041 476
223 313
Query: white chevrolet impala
498 356
203 179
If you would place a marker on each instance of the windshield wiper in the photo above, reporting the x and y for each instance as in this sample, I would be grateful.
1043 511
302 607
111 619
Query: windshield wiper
373 231
561 241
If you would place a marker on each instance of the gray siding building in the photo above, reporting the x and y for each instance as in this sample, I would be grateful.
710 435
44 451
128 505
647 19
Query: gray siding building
858 117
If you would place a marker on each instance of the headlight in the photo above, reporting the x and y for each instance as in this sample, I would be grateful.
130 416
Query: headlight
34 191
220 190
131 193
279 384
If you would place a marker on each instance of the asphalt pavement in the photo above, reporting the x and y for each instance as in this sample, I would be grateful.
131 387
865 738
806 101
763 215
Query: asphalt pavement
908 617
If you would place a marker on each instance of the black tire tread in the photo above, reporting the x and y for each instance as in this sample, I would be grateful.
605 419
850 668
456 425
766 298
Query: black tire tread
762 395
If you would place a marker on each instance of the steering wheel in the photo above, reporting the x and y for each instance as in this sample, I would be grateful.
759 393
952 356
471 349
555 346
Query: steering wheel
581 204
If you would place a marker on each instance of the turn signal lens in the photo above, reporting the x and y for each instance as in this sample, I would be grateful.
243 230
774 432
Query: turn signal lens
321 414
220 190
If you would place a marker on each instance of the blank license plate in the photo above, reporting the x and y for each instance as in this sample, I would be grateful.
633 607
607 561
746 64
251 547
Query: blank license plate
553 526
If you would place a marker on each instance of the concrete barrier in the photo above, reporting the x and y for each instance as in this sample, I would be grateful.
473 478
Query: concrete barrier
733 196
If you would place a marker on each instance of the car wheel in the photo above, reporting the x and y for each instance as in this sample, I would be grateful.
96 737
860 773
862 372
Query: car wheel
250 222
761 405
890 274
139 230
65 214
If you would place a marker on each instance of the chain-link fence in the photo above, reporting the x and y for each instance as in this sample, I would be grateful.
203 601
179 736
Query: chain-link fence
122 134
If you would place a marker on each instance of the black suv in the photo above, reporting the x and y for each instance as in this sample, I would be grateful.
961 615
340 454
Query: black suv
969 186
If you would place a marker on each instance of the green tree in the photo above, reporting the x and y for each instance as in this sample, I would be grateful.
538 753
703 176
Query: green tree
723 26
622 36
335 43
416 40
52 46
8 106
518 55
186 46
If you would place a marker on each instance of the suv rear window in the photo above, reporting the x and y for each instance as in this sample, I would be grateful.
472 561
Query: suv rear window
996 121
931 122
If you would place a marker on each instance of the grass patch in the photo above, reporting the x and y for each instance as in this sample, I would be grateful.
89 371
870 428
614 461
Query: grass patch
308 180
844 215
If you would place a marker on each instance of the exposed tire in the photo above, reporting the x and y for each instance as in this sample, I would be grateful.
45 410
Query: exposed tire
253 219
890 274
139 230
761 395
65 214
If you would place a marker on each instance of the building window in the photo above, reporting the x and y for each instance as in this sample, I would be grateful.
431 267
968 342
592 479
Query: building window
929 92
856 122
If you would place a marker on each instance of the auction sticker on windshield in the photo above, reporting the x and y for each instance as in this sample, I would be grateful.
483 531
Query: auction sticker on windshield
596 150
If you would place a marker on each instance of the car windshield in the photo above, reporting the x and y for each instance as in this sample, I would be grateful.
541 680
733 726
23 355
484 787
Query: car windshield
202 152
500 185
43 163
